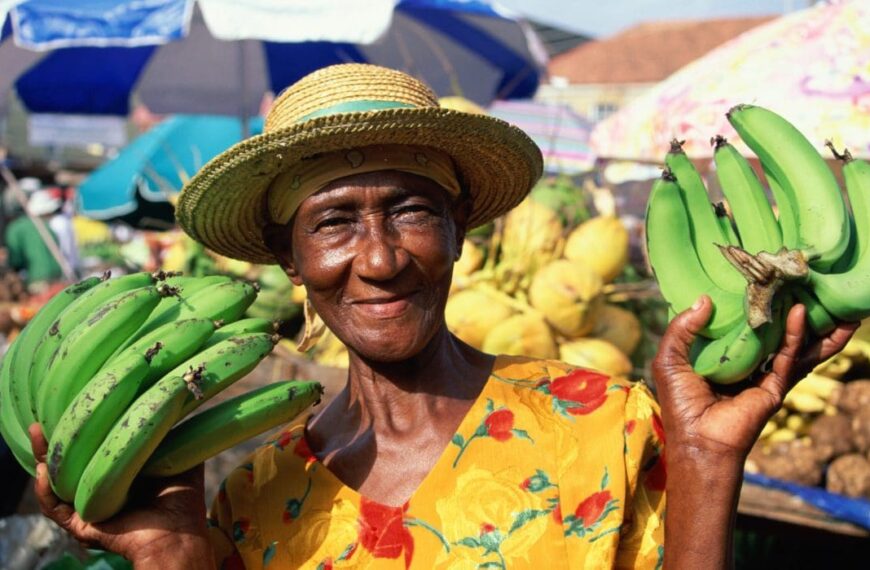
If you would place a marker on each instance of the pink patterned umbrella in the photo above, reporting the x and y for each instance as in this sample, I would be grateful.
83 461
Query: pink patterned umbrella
811 66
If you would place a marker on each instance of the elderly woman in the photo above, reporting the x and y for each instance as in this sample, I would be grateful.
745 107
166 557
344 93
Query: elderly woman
435 454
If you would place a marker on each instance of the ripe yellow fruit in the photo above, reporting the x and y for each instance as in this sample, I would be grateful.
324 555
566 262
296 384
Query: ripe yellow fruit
471 314
532 236
600 244
568 295
522 335
619 327
595 354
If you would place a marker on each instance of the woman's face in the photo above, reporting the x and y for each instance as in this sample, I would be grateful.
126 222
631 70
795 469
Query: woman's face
375 252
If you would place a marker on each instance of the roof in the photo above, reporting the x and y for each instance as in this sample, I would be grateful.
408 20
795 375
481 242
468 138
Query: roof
649 52
557 40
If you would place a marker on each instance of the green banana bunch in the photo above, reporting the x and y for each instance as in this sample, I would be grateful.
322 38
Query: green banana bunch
846 295
229 423
756 223
676 263
814 253
105 482
111 365
815 220
707 234
72 317
19 395
82 353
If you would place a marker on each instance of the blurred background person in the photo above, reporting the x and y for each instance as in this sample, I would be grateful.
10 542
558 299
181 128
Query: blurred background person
26 250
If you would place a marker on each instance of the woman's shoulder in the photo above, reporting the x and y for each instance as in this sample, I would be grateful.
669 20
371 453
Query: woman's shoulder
568 391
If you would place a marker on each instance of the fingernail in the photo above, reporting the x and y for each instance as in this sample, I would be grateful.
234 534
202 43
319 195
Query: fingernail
698 304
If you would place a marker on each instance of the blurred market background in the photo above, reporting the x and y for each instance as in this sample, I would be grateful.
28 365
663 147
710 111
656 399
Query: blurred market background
108 106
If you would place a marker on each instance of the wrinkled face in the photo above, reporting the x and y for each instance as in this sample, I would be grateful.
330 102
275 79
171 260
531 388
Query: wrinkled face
375 252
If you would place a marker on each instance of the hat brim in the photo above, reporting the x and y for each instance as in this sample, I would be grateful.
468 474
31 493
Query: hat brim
224 205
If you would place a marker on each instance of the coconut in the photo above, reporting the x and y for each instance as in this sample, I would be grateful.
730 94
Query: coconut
470 260
471 314
526 334
619 327
568 295
601 244
595 354
532 236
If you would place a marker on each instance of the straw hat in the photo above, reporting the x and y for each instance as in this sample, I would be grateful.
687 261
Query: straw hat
342 107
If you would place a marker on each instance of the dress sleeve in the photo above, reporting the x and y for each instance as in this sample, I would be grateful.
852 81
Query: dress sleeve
641 543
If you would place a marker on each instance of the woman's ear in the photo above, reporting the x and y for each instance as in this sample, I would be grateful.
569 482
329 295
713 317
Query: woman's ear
461 214
277 238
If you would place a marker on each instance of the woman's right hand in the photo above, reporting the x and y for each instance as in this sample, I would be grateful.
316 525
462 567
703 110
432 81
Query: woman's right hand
165 526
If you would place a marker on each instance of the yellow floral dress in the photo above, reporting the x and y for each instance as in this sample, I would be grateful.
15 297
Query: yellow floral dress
553 467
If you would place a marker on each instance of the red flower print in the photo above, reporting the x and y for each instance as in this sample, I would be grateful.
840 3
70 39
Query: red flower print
557 514
581 391
657 475
629 426
302 450
592 507
382 531
486 528
283 440
658 427
499 424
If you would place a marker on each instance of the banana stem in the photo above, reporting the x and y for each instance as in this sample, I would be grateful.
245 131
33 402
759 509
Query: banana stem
765 274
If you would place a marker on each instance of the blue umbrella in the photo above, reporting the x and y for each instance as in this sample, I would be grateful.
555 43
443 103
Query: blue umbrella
88 56
156 164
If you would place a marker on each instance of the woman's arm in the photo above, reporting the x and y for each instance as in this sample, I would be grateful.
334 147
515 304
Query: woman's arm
710 430
165 530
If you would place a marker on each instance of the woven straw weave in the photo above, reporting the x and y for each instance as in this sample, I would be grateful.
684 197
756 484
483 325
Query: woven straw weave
223 206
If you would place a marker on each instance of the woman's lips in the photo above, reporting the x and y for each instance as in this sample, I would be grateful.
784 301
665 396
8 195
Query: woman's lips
385 307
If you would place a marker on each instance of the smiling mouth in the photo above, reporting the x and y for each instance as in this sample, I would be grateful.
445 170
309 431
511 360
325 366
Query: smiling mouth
385 307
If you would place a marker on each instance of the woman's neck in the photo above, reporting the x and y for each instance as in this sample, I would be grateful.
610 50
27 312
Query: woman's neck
390 394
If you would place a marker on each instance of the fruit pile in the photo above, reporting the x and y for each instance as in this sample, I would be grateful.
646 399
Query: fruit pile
753 264
108 367
538 288
822 434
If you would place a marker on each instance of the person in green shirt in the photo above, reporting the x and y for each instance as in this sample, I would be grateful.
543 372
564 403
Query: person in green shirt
26 250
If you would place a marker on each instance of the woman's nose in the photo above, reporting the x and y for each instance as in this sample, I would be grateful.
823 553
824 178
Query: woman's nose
381 256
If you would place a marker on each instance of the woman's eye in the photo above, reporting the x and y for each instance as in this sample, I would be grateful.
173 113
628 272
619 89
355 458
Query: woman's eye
332 223
414 209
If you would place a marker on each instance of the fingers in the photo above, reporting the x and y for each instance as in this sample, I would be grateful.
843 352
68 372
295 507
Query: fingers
783 368
674 348
37 442
825 348
49 503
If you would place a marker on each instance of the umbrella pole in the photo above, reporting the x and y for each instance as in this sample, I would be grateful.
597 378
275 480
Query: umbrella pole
44 232
243 108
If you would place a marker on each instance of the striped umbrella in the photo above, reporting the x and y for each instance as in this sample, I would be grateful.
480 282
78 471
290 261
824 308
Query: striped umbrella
561 134
222 56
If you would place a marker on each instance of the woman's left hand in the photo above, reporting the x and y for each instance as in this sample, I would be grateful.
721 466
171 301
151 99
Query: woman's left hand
705 420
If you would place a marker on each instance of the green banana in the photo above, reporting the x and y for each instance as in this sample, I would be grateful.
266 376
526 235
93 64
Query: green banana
797 171
221 301
846 295
105 482
72 317
87 420
706 233
86 349
15 435
249 325
736 355
224 363
28 340
675 263
820 321
178 341
756 224
230 423
724 221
